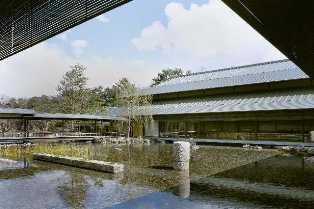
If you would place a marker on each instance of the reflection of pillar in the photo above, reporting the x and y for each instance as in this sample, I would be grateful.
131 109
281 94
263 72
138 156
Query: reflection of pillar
183 190
118 176
312 136
152 128
95 127
181 155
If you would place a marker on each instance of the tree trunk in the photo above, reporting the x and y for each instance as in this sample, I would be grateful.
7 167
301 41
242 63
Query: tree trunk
129 127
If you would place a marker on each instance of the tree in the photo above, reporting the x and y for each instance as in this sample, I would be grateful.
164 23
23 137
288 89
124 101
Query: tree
73 90
128 98
4 127
167 74
109 97
96 102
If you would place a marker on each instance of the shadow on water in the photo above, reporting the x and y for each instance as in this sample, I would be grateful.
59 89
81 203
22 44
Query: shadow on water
218 178
277 182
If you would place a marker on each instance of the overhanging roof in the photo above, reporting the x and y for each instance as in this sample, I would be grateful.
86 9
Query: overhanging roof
267 72
287 24
290 100
24 23
60 116
7 113
15 113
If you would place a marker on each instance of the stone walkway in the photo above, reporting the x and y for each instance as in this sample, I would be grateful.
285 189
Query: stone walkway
225 142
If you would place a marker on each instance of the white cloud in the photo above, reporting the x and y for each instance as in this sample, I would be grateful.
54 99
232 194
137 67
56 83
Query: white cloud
64 36
102 18
210 34
38 70
79 46
106 71
34 71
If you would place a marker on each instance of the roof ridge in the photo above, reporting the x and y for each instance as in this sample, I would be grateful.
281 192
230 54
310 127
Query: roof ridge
221 78
236 67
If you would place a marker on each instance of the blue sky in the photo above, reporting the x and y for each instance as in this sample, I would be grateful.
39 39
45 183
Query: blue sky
137 41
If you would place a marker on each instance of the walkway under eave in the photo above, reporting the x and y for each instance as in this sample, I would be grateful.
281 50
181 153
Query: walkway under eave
226 142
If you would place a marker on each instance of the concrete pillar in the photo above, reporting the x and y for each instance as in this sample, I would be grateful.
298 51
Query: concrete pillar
181 155
312 136
152 128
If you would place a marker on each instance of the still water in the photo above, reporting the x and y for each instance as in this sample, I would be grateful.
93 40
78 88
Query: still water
219 177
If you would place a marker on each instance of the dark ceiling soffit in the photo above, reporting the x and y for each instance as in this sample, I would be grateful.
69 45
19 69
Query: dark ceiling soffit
287 24
32 21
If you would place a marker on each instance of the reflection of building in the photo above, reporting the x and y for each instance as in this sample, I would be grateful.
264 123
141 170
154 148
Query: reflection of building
265 101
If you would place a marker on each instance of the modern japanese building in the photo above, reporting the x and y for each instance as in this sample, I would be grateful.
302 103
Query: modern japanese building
265 101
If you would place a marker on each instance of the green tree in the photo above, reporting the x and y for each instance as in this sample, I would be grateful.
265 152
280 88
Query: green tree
168 74
73 90
128 98
109 97
95 100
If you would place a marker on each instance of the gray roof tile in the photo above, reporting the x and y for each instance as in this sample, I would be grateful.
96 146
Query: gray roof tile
250 74
251 102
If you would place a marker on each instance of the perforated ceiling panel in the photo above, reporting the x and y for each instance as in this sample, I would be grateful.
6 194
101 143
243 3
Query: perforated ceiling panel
24 23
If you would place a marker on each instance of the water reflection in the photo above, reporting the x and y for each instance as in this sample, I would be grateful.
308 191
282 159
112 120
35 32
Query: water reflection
183 188
73 191
218 178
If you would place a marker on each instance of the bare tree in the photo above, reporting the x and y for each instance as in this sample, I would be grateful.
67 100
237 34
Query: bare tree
4 127
132 102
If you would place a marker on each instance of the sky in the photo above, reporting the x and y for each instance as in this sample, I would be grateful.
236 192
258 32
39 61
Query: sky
137 41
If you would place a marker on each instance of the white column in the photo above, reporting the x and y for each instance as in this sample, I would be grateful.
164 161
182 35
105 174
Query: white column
181 155
152 128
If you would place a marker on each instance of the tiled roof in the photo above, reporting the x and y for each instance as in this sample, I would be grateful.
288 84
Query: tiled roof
250 74
251 102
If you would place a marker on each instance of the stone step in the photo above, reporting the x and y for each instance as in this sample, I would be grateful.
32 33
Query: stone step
80 163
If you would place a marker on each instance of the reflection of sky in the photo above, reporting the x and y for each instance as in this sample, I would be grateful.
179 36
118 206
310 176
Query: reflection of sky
111 192
44 190
164 200
6 164
36 192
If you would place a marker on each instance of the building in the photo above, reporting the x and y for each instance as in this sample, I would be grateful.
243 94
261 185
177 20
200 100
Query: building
265 101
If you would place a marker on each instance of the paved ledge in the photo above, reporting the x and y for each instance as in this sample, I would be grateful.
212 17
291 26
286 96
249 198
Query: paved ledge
225 142
22 140
81 163
260 188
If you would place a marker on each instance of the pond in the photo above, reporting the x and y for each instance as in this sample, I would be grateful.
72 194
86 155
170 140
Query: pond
219 177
